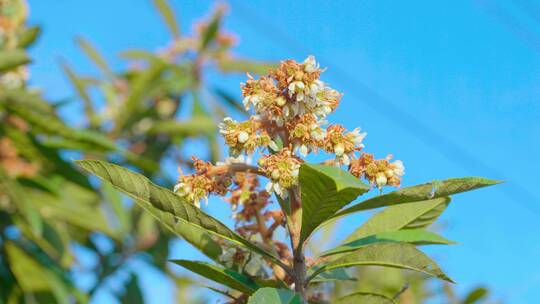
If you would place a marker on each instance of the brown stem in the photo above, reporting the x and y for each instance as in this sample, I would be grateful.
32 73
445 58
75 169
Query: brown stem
299 270
299 261
234 168
266 236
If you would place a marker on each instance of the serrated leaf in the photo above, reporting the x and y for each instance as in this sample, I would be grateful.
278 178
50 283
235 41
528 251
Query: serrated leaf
167 14
365 298
12 59
221 275
395 255
325 190
411 236
275 296
399 217
142 189
339 274
195 235
421 192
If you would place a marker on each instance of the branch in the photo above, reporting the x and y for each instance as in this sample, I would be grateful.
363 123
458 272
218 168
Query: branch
233 168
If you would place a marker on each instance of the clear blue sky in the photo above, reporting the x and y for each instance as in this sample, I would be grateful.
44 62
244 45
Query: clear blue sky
467 70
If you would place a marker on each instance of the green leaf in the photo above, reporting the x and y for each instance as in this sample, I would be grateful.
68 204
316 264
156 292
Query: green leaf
28 37
476 295
132 292
139 88
399 217
142 189
211 31
73 209
195 126
245 66
333 275
28 99
12 59
80 87
193 234
365 298
395 255
412 236
32 276
52 125
275 296
221 275
18 197
139 55
167 14
325 190
421 192
221 292
94 55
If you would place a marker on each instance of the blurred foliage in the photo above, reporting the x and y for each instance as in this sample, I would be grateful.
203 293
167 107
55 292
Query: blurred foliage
408 287
138 117
405 286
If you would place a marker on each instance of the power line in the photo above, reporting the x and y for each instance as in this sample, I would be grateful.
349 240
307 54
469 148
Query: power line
444 145
514 26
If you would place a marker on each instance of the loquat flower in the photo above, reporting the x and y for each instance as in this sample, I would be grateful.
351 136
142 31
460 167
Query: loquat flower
306 133
196 187
379 172
244 136
342 144
282 170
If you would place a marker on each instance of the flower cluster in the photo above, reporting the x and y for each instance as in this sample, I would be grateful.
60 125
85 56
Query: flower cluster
16 78
343 144
292 90
13 16
306 133
244 136
198 186
282 170
13 164
380 172
291 105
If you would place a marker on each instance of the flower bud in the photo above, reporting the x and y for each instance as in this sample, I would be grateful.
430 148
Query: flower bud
380 180
280 101
243 137
275 174
339 149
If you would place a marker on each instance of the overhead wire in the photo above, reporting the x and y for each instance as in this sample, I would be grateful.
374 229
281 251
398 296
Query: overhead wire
434 139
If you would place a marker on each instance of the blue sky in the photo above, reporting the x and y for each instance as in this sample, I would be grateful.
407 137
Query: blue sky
468 71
